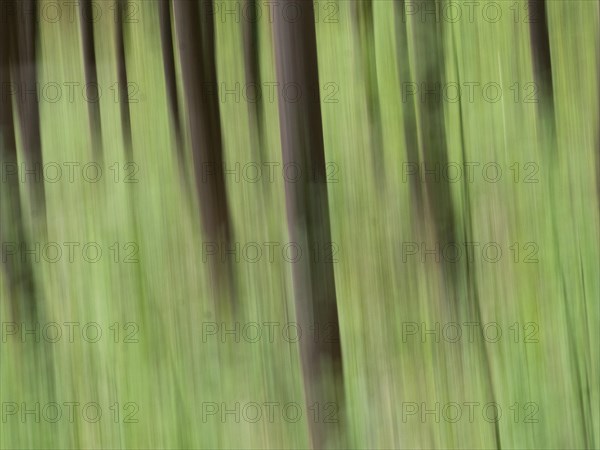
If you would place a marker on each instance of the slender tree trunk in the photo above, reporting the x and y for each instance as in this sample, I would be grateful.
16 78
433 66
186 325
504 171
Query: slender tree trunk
252 66
24 74
308 209
122 85
409 113
195 34
166 38
542 70
429 68
19 273
91 74
364 18
473 301
540 49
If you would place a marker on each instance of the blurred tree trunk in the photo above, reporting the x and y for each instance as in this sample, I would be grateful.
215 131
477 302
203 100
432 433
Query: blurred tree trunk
308 211
122 81
91 74
166 38
364 20
252 68
19 273
471 305
540 50
23 38
429 70
411 140
195 33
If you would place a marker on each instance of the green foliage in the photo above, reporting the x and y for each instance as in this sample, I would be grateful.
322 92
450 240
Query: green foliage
174 368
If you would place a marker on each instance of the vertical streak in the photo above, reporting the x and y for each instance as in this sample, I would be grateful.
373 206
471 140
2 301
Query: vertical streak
195 34
24 71
474 306
366 43
19 274
91 74
409 111
429 69
540 49
122 81
307 206
252 70
166 39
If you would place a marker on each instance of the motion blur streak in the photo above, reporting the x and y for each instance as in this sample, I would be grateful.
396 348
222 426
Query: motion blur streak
296 224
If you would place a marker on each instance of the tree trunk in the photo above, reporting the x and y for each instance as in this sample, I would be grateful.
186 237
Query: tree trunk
365 23
411 140
166 38
308 209
122 81
24 73
91 74
429 69
19 274
540 49
252 68
195 34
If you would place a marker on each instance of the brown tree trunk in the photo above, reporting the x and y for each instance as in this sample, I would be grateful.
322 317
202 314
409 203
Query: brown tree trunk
540 49
308 209
365 22
252 67
542 70
429 68
195 35
122 81
24 73
91 74
166 38
411 140
19 274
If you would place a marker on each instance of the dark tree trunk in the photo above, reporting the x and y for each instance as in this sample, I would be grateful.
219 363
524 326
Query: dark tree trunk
542 70
252 67
365 23
166 38
429 69
19 274
195 35
540 49
307 207
411 140
23 63
122 85
91 74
